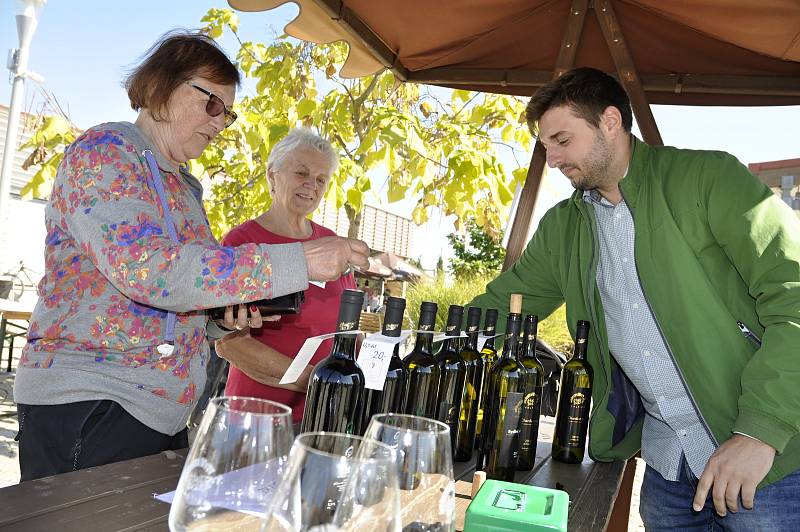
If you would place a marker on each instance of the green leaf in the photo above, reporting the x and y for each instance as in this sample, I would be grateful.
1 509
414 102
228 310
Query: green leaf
305 107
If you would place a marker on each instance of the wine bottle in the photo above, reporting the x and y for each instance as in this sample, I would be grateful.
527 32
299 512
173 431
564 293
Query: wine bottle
473 384
532 403
489 355
423 371
390 399
500 439
574 402
451 375
288 304
336 386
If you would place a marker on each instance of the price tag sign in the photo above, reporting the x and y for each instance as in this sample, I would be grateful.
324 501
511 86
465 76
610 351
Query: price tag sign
303 357
373 359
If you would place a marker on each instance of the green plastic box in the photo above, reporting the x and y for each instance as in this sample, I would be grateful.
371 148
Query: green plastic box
509 507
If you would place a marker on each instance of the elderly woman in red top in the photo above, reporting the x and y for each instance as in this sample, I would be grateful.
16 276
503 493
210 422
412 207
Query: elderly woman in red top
299 169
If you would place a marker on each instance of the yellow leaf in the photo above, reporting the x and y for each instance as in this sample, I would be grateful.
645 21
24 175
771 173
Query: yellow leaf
419 215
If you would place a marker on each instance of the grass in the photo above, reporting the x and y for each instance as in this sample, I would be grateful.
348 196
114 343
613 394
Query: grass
552 330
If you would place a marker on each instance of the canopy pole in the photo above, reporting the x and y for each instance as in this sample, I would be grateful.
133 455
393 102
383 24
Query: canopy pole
527 200
626 70
533 180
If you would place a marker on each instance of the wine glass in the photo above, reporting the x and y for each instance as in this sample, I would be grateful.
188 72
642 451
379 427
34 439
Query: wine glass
336 482
425 468
234 464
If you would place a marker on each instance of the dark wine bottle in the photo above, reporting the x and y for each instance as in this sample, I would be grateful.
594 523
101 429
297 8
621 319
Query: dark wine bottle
423 371
574 402
336 386
499 451
451 375
288 304
473 384
390 399
532 403
489 355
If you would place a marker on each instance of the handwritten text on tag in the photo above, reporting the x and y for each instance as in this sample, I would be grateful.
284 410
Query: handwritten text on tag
375 355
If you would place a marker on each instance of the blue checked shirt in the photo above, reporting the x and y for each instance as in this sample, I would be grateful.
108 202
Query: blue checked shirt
672 427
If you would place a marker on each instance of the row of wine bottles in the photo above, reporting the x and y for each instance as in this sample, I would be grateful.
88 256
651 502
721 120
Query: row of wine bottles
490 402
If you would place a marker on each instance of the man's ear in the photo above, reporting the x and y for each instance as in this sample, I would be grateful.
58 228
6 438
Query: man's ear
611 119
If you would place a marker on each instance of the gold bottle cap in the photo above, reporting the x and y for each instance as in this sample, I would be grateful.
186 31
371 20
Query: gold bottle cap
516 303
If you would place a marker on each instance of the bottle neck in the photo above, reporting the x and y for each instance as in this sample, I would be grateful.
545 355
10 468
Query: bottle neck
529 350
511 348
580 351
449 343
424 342
344 346
490 342
472 341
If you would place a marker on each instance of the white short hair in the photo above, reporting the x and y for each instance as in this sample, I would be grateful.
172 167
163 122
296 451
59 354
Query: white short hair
301 137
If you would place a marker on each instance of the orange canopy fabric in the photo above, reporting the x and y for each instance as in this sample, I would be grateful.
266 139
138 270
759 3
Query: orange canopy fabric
703 52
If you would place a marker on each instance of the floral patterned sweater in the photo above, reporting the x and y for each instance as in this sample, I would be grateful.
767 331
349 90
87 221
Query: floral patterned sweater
112 273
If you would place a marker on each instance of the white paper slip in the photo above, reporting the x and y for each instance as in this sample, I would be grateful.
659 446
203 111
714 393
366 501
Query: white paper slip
254 486
483 339
303 357
375 355
321 284
440 336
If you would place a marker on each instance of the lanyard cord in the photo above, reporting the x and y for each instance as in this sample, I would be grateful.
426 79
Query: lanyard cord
157 182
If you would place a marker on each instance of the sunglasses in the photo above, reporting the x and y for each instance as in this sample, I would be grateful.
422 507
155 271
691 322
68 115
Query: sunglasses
215 105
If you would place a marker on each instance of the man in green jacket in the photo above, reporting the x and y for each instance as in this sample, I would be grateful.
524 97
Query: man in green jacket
663 251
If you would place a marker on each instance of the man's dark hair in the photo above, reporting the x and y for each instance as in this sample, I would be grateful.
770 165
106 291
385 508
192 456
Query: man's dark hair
587 91
177 57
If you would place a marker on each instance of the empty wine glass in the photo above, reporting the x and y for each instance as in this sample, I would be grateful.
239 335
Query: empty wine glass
425 469
336 482
235 463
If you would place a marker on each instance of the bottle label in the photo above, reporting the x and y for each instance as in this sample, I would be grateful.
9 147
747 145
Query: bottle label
508 445
528 408
575 419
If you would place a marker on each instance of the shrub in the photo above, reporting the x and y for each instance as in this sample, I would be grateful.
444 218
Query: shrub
552 330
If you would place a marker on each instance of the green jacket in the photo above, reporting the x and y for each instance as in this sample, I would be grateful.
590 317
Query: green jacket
713 245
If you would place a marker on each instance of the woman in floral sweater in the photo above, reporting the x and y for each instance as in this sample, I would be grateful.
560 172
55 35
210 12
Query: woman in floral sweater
117 345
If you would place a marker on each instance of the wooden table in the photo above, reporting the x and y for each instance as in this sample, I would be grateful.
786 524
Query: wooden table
120 496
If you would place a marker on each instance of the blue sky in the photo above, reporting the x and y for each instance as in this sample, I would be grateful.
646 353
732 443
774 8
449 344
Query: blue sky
84 48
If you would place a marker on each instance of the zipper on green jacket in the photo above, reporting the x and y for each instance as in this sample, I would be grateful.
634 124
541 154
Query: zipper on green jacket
590 303
664 338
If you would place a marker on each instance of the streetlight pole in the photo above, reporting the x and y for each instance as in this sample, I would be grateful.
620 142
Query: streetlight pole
27 21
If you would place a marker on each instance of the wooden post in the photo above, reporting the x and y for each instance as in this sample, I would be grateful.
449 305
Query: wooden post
527 200
626 70
533 180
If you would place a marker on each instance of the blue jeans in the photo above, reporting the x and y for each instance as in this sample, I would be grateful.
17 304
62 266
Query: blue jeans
667 506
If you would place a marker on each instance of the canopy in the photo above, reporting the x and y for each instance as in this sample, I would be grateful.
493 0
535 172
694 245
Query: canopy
704 52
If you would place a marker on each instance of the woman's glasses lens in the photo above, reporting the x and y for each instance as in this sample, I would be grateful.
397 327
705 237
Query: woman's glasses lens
214 106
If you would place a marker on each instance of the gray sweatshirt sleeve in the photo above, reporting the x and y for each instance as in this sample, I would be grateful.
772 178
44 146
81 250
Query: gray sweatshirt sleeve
114 215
